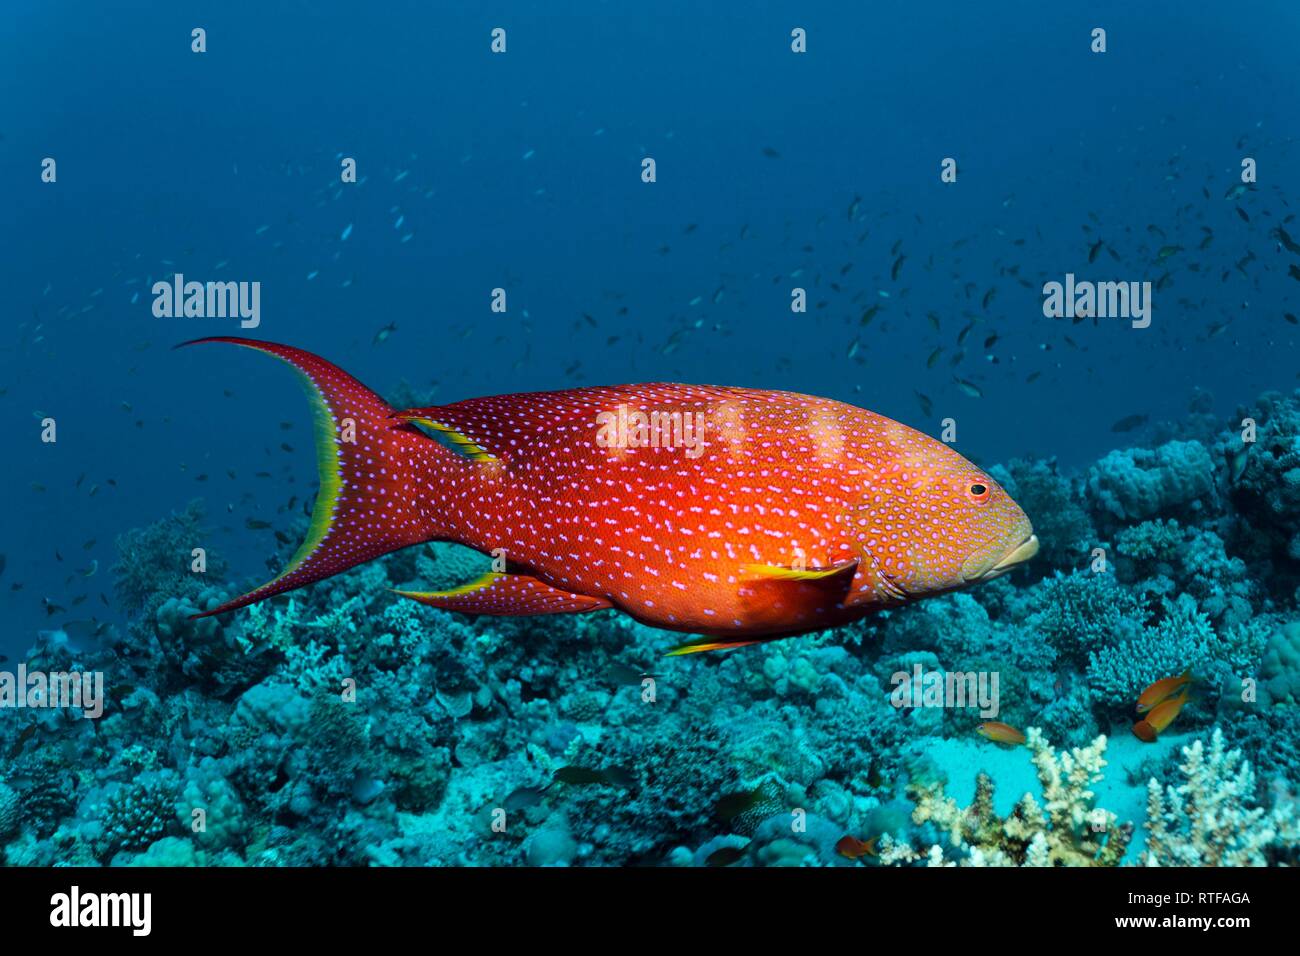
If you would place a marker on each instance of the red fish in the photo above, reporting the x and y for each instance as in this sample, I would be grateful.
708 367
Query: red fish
999 732
787 514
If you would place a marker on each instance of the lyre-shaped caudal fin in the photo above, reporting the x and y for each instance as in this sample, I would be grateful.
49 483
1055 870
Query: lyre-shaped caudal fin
368 501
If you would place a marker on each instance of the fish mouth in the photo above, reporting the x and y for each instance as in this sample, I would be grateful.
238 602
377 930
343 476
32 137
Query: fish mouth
1018 555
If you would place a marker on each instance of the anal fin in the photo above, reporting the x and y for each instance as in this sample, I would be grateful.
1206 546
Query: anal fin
508 595
709 644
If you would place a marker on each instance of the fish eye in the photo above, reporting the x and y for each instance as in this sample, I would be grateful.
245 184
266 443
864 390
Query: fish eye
978 491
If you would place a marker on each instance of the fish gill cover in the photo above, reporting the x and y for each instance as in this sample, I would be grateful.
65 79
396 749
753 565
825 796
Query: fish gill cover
965 487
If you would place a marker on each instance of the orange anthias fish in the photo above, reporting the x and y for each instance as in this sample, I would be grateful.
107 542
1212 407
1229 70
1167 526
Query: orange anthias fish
853 848
1160 717
738 514
1144 732
1160 690
1002 733
1163 714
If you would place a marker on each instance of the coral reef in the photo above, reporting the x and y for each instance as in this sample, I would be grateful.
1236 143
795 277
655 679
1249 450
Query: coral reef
1139 483
1208 820
342 725
1065 829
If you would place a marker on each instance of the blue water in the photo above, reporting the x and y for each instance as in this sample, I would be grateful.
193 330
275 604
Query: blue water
164 154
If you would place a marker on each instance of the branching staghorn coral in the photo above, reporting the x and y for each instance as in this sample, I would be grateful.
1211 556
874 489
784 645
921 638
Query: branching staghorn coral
1066 829
1208 819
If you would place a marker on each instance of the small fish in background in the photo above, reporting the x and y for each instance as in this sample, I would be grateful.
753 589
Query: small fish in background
734 804
382 335
770 153
1000 733
1129 422
586 776
726 856
1285 240
24 735
523 798
854 849
1237 459
623 674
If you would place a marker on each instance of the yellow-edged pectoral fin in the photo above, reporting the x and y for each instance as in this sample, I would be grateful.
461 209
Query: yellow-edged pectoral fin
773 572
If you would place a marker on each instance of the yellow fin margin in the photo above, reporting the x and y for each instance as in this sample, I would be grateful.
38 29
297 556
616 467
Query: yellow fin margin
464 444
478 584
775 572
